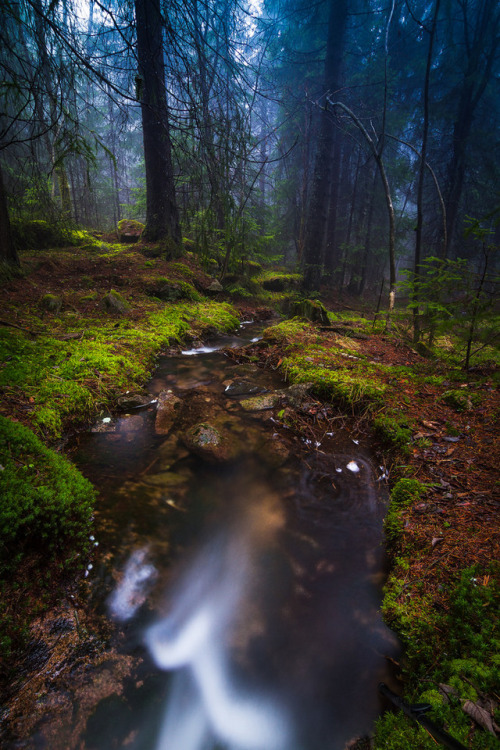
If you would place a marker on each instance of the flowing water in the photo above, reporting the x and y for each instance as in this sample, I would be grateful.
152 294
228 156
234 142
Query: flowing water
247 591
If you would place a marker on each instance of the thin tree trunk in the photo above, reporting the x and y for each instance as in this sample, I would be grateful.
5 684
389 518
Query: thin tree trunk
8 252
390 206
421 175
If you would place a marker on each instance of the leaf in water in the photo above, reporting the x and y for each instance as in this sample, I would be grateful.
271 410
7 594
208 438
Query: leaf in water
480 715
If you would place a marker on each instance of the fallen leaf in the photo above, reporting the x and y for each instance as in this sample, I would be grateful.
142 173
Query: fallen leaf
436 540
480 716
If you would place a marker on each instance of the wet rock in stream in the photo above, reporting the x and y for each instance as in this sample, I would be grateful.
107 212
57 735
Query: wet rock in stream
168 410
133 401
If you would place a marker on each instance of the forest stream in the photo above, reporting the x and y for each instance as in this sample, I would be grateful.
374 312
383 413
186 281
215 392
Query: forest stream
243 574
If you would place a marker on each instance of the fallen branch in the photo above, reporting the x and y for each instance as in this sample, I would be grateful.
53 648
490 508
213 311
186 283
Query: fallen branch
14 325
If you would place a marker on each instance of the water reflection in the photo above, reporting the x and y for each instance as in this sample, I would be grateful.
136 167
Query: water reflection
272 627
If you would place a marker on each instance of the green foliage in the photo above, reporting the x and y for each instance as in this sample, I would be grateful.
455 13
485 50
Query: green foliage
46 504
454 299
238 291
459 647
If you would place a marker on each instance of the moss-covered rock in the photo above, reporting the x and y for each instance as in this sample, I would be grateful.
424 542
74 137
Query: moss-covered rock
37 234
129 230
51 303
309 309
114 303
170 290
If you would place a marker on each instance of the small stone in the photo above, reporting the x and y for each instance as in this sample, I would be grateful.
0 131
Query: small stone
133 401
261 403
215 287
167 411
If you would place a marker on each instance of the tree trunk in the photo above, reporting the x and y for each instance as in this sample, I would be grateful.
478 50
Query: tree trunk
8 252
162 219
421 175
317 216
482 41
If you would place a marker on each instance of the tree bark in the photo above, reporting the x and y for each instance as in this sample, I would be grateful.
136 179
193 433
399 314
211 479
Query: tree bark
162 219
482 41
8 252
317 216
421 175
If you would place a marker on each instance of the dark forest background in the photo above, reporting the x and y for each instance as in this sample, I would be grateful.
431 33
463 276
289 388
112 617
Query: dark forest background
351 138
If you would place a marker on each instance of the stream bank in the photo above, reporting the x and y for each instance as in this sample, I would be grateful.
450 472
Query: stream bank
294 534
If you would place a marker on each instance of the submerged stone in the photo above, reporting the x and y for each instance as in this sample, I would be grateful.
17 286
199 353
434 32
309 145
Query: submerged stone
261 403
167 412
131 423
242 387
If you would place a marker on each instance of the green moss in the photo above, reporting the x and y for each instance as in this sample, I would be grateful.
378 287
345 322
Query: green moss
393 430
461 400
339 385
404 493
46 504
286 331
40 235
130 225
183 270
278 281
458 647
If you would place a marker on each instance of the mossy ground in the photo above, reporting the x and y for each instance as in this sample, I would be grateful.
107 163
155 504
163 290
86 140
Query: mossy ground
436 428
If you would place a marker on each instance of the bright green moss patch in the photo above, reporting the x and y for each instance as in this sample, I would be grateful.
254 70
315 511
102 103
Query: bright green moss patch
72 379
340 385
453 656
278 281
393 430
46 504
285 331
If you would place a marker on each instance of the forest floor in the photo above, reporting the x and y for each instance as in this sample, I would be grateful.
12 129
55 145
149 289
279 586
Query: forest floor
429 420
